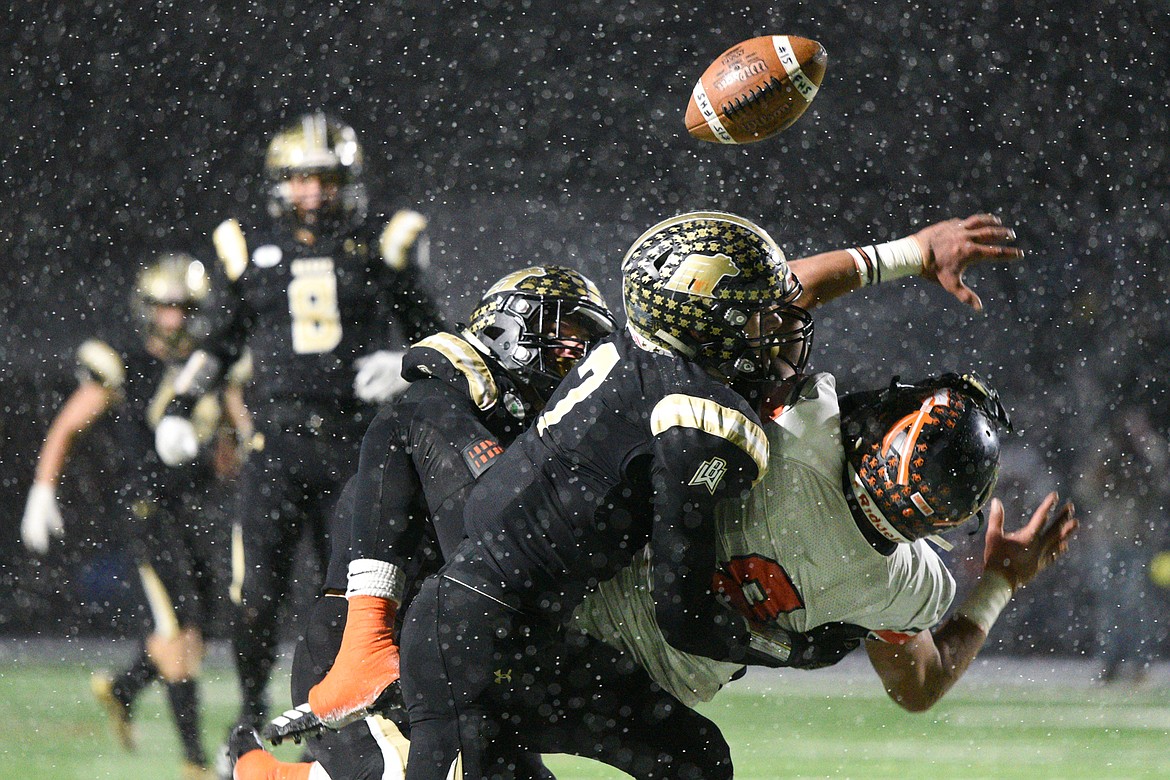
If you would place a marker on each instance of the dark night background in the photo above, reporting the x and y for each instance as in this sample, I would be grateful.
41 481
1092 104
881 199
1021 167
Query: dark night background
552 132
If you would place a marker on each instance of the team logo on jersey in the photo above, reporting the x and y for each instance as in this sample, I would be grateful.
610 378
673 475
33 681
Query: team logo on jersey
701 274
480 455
710 474
267 256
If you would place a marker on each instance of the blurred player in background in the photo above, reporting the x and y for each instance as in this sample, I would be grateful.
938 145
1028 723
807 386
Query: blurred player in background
1123 477
314 294
470 395
172 510
831 548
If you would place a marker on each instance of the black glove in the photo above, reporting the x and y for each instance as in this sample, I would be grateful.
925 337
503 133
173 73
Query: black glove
825 645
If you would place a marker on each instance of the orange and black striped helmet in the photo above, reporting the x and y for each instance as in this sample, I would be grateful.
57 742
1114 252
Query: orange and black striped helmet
923 458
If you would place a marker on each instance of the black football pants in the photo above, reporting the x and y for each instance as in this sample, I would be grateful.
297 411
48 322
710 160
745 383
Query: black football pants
285 491
481 679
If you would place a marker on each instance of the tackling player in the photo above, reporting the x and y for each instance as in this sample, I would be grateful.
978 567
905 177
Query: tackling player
940 252
568 502
831 549
470 395
172 541
637 446
313 294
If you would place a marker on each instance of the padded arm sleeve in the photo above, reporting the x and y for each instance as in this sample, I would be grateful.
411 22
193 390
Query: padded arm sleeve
683 541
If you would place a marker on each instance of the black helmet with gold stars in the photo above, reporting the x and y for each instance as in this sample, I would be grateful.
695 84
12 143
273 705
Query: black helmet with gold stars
715 288
538 322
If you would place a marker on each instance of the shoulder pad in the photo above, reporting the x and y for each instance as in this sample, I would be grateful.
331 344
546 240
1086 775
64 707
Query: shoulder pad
399 236
704 414
101 363
448 357
231 247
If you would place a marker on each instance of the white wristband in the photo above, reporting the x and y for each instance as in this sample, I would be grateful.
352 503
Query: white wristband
987 600
370 577
891 260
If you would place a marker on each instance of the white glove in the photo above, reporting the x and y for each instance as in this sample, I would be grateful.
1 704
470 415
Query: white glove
175 440
379 376
42 518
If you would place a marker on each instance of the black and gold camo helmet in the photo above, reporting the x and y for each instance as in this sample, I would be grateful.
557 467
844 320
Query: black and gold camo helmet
538 322
924 457
317 144
717 289
172 279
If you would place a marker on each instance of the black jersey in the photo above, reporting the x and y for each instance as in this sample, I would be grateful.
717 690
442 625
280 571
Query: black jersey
422 454
144 385
308 312
634 449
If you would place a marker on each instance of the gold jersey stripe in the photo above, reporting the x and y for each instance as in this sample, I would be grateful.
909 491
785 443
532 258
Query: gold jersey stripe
236 588
468 362
231 247
688 411
100 359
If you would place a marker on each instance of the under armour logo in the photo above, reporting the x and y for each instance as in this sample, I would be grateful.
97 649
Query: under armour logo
710 473
503 676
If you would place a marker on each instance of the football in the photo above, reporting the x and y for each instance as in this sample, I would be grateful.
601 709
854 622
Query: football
755 89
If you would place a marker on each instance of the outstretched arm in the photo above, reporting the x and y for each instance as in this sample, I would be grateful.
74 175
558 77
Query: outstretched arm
941 252
918 673
88 402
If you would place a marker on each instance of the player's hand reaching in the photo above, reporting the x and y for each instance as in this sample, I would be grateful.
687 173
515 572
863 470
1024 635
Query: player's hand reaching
1021 555
951 246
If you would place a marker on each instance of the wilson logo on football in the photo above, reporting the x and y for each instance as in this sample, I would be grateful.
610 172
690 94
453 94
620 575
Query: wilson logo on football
701 274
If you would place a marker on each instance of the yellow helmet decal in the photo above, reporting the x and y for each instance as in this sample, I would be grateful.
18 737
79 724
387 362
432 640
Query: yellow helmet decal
700 274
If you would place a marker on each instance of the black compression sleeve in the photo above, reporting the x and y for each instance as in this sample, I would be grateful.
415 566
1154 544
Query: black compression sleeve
683 543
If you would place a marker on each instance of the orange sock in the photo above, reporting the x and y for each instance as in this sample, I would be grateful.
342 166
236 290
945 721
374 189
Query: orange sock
262 765
366 664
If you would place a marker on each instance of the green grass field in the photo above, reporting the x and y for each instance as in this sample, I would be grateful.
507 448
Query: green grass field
1019 720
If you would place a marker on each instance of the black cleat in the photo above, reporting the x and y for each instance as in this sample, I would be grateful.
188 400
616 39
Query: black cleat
295 724
117 711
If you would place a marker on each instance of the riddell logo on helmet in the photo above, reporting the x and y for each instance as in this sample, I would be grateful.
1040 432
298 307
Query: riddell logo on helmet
701 274
870 510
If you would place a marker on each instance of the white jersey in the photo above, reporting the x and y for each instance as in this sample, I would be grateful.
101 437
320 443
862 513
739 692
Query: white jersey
792 556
